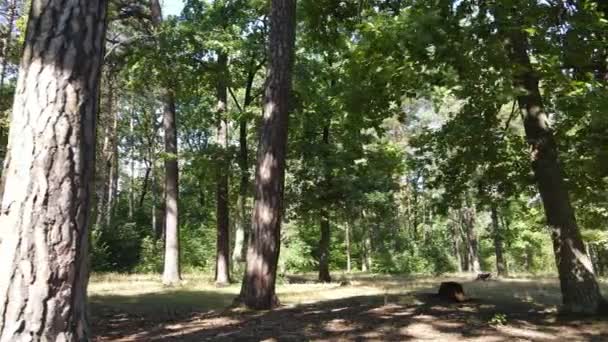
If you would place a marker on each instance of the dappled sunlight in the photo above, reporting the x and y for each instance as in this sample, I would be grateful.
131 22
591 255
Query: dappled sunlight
387 308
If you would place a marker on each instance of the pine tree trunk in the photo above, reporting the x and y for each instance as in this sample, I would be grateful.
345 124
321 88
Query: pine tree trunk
501 266
50 174
580 290
324 243
222 258
258 291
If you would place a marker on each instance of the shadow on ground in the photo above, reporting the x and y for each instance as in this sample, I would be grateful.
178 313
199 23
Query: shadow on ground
500 312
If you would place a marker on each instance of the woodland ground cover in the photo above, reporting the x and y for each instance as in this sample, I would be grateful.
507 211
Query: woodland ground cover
370 308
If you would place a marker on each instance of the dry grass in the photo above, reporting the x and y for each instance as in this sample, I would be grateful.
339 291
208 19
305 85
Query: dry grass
369 307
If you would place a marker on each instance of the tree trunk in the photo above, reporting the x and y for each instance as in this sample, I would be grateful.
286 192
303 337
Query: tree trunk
50 170
348 252
324 243
325 240
171 274
258 291
131 166
580 290
468 218
456 246
113 169
222 258
243 222
238 255
104 167
501 266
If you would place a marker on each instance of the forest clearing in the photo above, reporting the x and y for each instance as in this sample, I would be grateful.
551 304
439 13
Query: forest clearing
303 170
369 308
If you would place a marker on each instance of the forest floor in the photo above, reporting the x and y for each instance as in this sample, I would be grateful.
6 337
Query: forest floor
367 308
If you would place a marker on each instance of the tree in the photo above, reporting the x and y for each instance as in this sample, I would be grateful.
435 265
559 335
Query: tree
222 258
580 290
49 174
171 272
258 287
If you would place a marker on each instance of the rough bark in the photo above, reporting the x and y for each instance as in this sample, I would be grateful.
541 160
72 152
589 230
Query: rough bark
580 290
258 291
501 266
222 256
50 170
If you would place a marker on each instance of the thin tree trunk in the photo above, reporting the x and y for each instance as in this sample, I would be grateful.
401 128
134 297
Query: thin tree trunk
580 290
113 169
456 246
258 291
50 165
222 258
243 222
238 255
468 217
348 252
131 166
325 240
501 266
324 243
104 169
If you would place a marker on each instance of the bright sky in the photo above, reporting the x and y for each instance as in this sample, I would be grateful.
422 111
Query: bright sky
172 7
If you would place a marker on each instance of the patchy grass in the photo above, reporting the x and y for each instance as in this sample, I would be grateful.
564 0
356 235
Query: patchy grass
368 307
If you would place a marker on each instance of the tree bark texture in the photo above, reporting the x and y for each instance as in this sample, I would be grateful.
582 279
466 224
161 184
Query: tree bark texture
258 291
222 258
580 290
50 167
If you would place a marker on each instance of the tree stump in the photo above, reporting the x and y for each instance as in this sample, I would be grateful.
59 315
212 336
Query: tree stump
451 291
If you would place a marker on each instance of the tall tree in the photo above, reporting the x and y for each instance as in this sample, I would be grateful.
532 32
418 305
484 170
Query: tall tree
222 258
50 168
258 288
580 290
171 271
